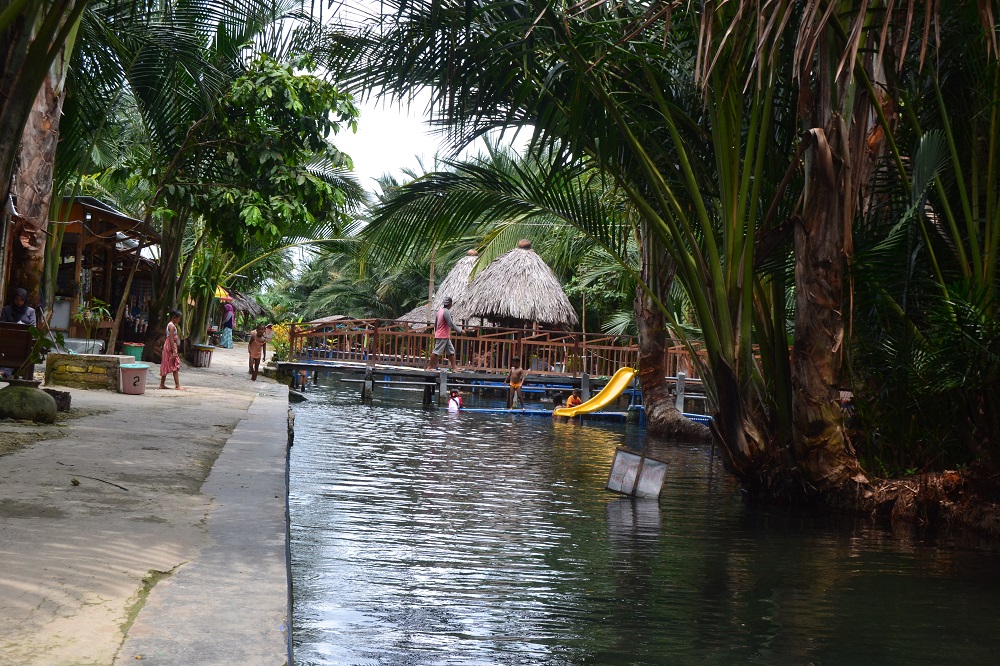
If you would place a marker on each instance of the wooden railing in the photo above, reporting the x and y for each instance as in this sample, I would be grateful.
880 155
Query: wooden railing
486 349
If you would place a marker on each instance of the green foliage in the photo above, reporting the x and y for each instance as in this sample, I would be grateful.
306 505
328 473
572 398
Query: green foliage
267 157
343 281
91 313
41 346
926 344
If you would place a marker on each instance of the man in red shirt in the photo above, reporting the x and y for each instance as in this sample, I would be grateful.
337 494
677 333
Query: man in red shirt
443 326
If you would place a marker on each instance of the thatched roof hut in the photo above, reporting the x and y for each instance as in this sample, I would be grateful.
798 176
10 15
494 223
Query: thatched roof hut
245 305
326 321
417 316
455 285
520 289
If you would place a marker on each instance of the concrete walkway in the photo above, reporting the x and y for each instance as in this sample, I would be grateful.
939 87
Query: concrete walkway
149 527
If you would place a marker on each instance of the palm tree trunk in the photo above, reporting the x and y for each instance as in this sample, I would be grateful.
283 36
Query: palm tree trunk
822 242
34 183
31 40
662 416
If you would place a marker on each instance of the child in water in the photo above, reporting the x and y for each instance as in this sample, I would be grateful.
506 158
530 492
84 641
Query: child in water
170 362
575 399
455 401
515 379
257 349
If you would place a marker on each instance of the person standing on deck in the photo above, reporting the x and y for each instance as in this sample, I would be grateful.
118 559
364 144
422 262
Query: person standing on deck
515 379
443 326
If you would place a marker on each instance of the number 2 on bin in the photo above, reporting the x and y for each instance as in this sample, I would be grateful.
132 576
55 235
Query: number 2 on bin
135 380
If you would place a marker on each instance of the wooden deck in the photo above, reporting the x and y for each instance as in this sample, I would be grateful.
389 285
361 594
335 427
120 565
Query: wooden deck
391 353
486 350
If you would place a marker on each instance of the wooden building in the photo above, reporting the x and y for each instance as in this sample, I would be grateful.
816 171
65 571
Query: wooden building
99 248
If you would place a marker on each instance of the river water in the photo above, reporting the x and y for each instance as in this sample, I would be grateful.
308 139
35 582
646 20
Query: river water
423 537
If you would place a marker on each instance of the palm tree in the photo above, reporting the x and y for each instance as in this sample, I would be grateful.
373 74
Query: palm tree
37 37
714 177
925 350
181 69
629 110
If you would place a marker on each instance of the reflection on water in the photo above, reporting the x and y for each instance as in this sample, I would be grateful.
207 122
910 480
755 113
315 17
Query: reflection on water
423 537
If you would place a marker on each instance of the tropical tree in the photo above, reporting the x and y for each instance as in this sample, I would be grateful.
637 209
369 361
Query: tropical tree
925 348
714 177
643 136
37 37
224 136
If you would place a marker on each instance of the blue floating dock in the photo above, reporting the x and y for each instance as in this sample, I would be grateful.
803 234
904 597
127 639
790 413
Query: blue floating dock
594 416
516 412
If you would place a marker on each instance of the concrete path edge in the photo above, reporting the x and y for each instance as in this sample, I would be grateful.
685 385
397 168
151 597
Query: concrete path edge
231 604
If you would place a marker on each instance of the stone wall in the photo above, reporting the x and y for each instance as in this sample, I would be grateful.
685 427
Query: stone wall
84 371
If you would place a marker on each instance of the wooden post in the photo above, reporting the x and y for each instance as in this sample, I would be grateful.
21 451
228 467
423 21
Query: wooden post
679 401
292 351
585 386
78 275
442 387
430 290
367 385
428 394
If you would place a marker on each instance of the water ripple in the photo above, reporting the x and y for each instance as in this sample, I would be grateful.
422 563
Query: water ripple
421 537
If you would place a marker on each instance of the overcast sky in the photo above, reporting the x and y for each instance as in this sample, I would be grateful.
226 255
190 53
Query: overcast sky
388 140
391 138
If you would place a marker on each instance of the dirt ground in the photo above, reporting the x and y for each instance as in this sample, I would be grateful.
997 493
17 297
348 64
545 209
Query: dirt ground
97 507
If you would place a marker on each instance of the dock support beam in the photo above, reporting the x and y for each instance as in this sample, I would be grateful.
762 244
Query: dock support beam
585 387
442 387
428 394
679 400
367 386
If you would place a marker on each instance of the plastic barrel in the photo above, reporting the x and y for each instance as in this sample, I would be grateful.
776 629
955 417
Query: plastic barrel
133 349
133 378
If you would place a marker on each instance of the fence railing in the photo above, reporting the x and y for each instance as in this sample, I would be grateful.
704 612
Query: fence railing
485 349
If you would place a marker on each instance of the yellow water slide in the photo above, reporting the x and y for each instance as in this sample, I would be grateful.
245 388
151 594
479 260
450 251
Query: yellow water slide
621 381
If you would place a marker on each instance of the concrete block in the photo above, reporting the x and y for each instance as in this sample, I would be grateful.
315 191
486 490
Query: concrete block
97 371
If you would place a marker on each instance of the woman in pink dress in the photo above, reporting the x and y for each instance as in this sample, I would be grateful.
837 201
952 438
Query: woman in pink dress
171 360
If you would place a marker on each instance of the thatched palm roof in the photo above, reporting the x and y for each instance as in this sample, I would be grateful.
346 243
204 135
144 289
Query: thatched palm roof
455 285
327 320
417 315
519 288
246 305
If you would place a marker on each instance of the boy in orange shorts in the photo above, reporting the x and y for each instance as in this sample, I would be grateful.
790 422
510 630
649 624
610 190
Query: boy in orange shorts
515 379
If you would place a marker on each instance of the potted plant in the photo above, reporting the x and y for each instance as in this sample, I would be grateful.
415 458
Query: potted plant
91 314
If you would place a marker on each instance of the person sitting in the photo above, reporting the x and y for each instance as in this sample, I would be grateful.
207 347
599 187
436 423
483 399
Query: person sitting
541 363
574 400
19 312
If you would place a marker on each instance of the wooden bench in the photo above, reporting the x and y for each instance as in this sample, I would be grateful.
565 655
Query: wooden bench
16 344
